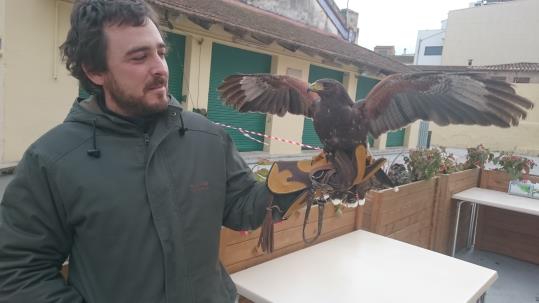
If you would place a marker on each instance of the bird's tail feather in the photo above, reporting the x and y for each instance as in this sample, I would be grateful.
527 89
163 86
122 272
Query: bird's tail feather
345 167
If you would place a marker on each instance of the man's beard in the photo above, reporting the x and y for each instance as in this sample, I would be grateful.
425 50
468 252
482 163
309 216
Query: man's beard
136 106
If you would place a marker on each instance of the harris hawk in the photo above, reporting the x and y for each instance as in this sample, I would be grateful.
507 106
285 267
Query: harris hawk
396 101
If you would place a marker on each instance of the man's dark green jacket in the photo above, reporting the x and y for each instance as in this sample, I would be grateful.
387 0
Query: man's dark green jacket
138 214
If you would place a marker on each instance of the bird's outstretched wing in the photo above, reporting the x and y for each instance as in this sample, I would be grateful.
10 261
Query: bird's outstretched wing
275 94
456 98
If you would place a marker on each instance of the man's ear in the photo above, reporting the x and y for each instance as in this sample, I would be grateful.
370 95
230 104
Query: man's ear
98 78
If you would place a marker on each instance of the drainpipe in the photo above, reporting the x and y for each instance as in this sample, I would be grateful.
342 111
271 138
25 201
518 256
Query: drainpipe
343 31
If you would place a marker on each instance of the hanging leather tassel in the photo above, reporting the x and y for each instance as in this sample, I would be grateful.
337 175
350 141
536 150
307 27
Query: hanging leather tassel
265 241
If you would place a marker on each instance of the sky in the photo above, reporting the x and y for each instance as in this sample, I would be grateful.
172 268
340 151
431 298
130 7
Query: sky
396 22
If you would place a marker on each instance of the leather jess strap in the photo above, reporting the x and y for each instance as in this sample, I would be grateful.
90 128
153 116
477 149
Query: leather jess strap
318 181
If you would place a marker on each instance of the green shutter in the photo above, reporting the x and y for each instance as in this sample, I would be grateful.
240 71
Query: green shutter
226 61
395 138
364 86
309 136
175 61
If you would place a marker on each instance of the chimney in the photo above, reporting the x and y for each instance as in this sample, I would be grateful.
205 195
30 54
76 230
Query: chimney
351 18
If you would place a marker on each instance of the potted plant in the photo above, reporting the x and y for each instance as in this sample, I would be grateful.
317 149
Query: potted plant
478 157
423 164
517 168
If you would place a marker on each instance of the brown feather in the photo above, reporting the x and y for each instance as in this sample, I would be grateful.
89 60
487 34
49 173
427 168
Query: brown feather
457 98
268 94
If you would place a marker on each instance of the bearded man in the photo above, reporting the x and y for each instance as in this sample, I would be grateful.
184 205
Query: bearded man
130 187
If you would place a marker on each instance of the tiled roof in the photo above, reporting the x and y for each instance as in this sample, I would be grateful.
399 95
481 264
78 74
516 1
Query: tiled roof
442 68
406 59
266 26
511 67
517 67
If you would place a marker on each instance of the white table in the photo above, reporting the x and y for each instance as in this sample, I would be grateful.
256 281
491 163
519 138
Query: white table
364 267
481 196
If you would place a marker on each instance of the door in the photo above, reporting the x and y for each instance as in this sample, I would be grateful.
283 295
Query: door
226 61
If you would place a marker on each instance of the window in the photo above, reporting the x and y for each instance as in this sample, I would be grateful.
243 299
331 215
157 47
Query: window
433 50
521 79
499 78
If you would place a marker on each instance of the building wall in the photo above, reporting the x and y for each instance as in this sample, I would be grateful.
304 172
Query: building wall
493 34
289 126
431 37
523 138
197 75
2 71
306 11
38 90
511 75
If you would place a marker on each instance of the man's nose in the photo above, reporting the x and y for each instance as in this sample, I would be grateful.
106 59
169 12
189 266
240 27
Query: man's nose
159 66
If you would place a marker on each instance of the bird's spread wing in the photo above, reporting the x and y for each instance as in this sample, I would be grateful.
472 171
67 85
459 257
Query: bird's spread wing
458 98
268 94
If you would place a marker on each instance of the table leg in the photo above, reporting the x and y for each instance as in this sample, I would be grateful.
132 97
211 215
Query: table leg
475 224
455 234
471 226
482 298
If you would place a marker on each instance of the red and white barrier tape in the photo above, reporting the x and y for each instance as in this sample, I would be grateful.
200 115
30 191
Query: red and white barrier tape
245 132
251 138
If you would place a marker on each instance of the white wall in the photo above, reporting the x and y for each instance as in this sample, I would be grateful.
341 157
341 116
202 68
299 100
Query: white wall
2 68
493 34
431 37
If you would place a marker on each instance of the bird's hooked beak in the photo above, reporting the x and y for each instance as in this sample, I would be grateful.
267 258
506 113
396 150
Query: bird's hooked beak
315 87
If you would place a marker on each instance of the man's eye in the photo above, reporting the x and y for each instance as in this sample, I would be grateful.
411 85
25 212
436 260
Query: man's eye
163 52
139 58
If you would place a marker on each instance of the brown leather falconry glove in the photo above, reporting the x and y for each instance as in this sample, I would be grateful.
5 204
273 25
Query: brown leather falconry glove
315 181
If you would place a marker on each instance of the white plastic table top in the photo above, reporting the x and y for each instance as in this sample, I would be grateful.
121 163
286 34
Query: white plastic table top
364 267
499 199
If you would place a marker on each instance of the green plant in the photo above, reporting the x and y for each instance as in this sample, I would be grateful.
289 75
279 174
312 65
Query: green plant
515 166
423 164
478 157
449 163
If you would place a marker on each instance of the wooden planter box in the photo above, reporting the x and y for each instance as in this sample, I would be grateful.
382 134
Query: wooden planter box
445 212
405 215
507 232
421 213
238 249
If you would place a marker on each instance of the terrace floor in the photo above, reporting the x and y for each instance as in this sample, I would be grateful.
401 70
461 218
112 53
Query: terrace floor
518 281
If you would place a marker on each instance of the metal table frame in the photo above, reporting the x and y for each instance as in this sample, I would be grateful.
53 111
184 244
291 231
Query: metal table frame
472 230
487 197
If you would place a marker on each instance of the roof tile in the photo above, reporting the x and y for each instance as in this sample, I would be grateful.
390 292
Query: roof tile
254 20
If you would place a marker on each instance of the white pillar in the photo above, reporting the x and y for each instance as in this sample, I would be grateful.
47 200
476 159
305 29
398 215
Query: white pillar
196 77
290 126
411 135
380 143
350 83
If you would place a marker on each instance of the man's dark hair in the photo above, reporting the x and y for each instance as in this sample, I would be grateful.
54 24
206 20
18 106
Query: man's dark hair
86 43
